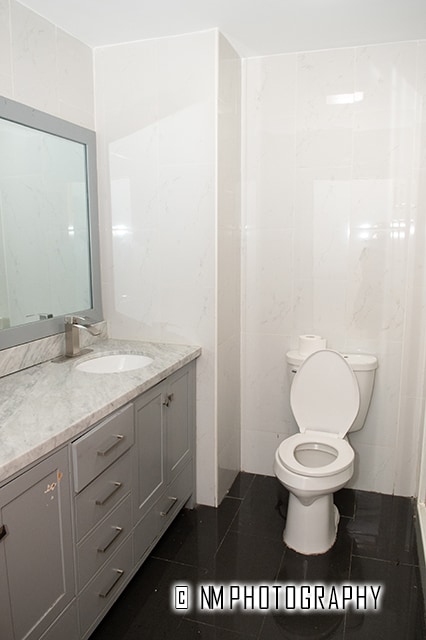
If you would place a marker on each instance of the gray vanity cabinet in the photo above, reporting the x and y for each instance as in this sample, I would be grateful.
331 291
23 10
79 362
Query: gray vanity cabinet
163 472
71 539
36 552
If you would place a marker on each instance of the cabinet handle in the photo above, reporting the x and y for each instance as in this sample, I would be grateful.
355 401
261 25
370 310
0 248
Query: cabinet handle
168 399
170 507
110 444
3 531
116 532
119 574
101 501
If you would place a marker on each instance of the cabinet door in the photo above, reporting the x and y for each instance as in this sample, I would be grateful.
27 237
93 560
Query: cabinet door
6 627
38 573
65 627
179 421
164 422
149 479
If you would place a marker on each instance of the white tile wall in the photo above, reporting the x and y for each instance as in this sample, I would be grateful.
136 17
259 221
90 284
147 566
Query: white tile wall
228 265
156 139
334 238
5 50
44 67
170 218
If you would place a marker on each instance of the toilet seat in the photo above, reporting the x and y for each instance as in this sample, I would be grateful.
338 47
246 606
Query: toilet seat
324 395
287 454
325 399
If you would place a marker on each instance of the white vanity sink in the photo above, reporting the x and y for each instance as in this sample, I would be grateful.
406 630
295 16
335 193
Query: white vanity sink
115 363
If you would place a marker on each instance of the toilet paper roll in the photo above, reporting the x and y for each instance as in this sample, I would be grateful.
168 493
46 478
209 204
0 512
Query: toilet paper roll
310 343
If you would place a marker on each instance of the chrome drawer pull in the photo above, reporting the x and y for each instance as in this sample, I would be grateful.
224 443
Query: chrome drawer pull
104 593
110 444
101 501
116 533
170 507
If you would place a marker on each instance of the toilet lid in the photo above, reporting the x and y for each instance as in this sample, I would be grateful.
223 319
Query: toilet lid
324 395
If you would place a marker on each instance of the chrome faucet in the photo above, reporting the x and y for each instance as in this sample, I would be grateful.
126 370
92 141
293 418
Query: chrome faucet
72 334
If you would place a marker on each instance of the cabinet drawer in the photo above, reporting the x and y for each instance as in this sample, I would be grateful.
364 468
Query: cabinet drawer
95 502
96 450
101 592
163 512
103 541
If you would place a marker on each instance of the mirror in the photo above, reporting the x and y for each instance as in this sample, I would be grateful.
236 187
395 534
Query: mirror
49 237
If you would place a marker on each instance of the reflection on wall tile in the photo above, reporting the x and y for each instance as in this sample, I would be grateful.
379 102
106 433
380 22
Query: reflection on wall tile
334 243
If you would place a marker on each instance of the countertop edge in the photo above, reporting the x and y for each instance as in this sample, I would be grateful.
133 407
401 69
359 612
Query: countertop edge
17 465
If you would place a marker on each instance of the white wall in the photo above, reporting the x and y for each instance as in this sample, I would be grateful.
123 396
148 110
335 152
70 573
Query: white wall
334 221
166 111
157 125
334 241
228 267
44 67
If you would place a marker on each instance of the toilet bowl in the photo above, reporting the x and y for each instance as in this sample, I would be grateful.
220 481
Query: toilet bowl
313 464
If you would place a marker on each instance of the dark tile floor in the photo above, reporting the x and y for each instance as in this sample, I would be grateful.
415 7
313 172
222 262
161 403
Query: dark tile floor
241 542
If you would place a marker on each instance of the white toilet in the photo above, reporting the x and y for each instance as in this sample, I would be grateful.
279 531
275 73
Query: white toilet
330 395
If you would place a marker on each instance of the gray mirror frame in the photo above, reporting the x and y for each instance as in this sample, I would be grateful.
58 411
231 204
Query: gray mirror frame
22 114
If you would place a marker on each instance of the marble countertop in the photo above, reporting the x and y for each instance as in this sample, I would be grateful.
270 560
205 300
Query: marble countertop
45 406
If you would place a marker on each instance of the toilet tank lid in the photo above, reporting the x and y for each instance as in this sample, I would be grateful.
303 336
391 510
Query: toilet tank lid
358 361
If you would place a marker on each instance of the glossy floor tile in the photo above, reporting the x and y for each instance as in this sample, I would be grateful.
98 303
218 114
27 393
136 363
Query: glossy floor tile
241 543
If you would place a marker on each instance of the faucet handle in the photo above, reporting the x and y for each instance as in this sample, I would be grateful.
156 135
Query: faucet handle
78 320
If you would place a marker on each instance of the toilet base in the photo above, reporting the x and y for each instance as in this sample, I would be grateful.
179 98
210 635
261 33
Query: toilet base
311 530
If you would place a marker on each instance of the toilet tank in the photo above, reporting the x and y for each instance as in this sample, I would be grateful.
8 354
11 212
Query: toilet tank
363 365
